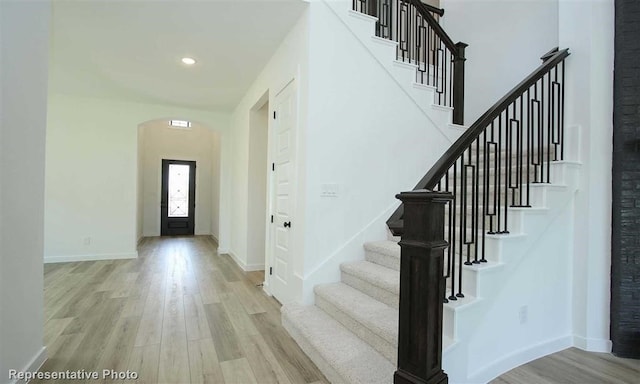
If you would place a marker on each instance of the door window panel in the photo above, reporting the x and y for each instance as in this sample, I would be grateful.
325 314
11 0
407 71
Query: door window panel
178 190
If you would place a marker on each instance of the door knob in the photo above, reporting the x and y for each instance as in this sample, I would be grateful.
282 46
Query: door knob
287 224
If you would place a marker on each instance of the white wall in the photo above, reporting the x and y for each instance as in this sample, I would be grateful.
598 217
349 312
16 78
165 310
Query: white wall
216 149
289 61
257 188
162 142
367 136
140 184
24 52
506 39
91 180
587 28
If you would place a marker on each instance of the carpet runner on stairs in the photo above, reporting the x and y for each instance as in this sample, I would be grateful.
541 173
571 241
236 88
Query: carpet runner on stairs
351 332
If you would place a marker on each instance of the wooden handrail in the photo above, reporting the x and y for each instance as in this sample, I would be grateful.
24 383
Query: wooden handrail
436 10
441 167
458 55
440 61
425 11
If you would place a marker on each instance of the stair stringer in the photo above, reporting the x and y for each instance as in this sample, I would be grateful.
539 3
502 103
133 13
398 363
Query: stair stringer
489 339
404 74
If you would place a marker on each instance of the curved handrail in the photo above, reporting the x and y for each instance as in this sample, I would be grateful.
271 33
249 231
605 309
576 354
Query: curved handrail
437 172
448 159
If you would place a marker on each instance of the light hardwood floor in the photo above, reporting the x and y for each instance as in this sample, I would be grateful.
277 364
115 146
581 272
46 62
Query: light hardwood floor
180 313
573 366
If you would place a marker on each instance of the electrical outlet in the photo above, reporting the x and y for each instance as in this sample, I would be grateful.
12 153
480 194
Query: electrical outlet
523 313
87 241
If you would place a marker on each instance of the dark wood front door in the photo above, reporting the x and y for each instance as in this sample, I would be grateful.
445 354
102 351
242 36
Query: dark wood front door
178 202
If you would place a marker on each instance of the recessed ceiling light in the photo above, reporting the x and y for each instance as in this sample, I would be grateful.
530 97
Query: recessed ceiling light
188 61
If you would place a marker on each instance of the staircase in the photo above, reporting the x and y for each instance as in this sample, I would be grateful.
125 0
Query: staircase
511 183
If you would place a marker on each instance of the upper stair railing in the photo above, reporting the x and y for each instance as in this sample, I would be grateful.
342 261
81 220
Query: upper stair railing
493 163
422 41
465 196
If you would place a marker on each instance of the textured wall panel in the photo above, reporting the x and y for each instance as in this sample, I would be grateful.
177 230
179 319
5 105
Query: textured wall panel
625 269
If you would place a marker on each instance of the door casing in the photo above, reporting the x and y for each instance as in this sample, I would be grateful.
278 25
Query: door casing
285 295
177 225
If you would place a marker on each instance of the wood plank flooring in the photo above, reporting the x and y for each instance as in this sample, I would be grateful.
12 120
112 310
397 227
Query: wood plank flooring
574 366
180 313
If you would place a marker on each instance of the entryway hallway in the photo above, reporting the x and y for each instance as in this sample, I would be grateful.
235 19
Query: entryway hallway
179 313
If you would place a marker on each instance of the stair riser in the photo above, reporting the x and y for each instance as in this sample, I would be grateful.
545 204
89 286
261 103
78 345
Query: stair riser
384 347
386 260
404 72
469 281
391 259
383 47
326 368
536 196
364 25
424 96
380 294
514 221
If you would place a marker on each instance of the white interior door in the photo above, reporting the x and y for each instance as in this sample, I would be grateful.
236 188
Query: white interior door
283 188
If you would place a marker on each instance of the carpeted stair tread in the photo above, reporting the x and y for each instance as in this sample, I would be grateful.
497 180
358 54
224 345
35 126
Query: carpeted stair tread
371 320
374 274
385 253
339 354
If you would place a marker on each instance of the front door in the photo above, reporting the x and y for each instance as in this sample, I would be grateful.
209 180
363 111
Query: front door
178 201
283 188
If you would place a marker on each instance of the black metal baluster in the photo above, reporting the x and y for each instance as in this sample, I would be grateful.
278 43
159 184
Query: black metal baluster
562 115
529 138
498 173
521 149
538 118
512 186
443 78
549 125
542 128
476 214
453 227
493 214
464 242
463 224
428 53
507 165
451 72
485 194
450 254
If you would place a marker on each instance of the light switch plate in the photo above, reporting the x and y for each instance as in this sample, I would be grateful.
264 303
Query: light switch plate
329 190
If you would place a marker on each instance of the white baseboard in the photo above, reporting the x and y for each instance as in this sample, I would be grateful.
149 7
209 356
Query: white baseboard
34 365
253 267
520 357
265 287
102 256
592 345
214 238
245 267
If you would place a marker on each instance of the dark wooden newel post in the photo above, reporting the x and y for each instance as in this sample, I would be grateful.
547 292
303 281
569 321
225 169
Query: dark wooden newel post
458 83
422 287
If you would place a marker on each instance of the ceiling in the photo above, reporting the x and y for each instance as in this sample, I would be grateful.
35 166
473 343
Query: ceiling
131 50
